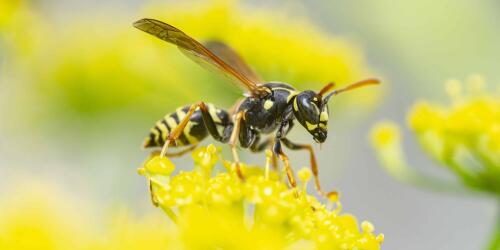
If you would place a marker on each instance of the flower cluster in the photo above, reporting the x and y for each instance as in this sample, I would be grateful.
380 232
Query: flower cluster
463 136
215 209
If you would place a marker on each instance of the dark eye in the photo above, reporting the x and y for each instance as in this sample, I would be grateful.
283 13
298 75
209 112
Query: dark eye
309 110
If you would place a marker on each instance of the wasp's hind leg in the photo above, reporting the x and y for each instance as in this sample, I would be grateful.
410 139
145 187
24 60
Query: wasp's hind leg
175 154
156 153
209 113
211 126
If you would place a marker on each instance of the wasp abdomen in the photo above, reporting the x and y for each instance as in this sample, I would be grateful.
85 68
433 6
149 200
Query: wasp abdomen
194 132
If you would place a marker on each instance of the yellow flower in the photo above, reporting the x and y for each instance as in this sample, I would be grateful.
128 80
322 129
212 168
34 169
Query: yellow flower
385 134
215 209
463 136
37 216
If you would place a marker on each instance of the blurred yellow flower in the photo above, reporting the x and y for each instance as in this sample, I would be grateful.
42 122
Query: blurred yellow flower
214 209
7 10
385 134
463 136
35 216
89 66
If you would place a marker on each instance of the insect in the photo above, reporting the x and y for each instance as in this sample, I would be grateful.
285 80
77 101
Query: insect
269 108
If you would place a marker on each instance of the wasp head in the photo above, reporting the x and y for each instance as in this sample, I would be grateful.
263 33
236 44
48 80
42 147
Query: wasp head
311 108
312 112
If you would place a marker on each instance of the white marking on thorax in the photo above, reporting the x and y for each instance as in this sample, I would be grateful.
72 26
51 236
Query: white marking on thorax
268 104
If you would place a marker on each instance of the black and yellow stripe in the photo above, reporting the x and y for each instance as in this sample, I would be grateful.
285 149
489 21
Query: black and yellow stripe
194 132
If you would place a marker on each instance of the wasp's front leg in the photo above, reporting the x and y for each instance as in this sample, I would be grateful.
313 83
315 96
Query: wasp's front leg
282 131
314 166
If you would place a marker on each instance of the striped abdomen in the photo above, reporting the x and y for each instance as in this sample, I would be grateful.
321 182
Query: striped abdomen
194 132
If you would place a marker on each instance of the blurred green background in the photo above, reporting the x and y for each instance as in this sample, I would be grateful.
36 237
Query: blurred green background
80 88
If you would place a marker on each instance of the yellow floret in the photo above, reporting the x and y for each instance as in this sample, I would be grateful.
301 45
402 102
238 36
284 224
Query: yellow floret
464 136
219 210
385 134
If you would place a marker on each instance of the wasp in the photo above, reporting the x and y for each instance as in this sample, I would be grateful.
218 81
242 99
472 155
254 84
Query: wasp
267 109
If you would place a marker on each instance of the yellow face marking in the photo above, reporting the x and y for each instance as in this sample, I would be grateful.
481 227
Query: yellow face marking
213 113
310 126
315 99
268 104
323 116
323 126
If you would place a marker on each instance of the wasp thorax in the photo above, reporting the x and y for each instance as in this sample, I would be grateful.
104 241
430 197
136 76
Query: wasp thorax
312 113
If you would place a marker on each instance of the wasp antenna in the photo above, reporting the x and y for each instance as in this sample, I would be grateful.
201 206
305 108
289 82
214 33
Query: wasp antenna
369 81
326 88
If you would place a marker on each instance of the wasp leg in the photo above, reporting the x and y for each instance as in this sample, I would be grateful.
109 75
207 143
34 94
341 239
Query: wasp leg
274 158
235 107
207 120
259 147
182 152
175 154
156 153
289 172
233 140
174 134
314 166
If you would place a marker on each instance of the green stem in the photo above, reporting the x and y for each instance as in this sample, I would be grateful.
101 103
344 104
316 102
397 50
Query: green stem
495 238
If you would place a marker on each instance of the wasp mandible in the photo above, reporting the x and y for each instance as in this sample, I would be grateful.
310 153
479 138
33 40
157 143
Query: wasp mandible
269 108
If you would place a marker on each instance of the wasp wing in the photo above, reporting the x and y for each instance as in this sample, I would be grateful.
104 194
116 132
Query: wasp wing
231 57
197 52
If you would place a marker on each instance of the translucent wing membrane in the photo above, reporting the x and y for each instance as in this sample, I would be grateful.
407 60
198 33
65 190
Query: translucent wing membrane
199 53
231 57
